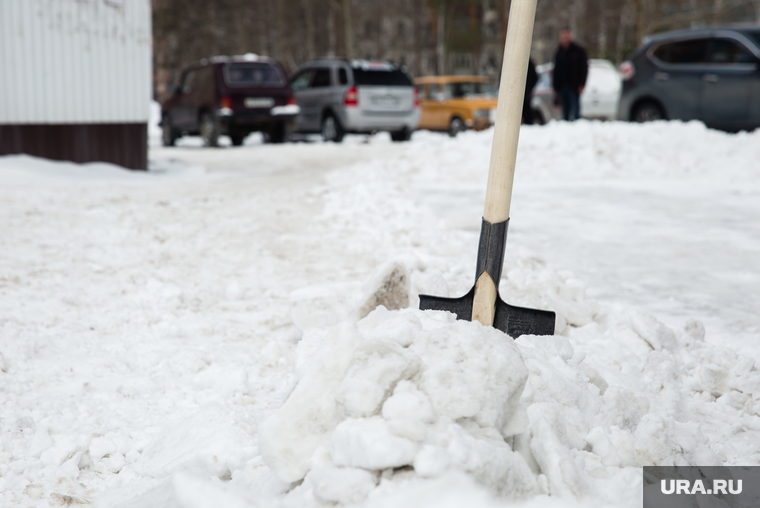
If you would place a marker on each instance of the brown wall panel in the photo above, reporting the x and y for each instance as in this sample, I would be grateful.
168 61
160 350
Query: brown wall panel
125 144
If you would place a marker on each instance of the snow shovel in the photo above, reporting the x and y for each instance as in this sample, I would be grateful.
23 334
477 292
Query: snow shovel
483 302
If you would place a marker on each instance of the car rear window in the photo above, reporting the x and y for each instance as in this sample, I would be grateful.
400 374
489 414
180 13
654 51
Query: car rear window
247 74
321 78
754 36
726 51
395 77
471 89
683 52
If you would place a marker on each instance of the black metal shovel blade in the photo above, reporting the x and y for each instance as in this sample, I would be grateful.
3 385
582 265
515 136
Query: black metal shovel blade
514 321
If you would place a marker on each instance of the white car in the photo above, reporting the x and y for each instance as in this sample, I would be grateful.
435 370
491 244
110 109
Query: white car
599 99
602 93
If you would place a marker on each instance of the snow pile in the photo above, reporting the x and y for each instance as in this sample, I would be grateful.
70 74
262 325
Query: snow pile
387 393
623 150
587 149
403 399
24 170
406 400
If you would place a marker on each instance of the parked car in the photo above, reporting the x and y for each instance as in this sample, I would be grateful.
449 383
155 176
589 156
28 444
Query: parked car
601 95
599 98
545 102
337 97
231 96
455 103
710 74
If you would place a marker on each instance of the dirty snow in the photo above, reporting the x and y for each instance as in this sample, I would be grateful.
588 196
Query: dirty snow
238 327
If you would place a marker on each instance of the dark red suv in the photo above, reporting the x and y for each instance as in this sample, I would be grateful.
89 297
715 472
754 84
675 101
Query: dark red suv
233 96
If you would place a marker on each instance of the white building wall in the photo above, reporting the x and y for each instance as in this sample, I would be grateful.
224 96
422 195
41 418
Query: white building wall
75 61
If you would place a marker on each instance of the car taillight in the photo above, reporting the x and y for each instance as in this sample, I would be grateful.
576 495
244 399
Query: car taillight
226 102
416 98
351 98
627 70
291 101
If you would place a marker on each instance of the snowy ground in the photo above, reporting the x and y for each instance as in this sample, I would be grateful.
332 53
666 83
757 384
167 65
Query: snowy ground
150 323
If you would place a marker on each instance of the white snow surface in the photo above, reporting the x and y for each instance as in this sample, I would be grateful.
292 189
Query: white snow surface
238 327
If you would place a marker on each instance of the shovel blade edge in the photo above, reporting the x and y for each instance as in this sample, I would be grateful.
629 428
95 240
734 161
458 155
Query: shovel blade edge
512 320
461 307
516 321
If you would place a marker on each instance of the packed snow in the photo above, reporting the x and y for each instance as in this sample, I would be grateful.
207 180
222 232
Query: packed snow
239 327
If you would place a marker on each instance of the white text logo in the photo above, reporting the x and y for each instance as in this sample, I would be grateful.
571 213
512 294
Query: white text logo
684 487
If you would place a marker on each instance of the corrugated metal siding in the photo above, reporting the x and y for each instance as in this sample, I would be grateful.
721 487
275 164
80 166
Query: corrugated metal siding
75 61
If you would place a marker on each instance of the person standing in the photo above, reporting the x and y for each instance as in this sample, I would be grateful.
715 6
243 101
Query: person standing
530 84
569 76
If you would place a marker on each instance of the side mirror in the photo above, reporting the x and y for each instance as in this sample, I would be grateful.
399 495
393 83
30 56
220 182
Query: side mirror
439 96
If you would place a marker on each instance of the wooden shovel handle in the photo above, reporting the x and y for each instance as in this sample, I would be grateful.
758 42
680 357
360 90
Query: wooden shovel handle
501 171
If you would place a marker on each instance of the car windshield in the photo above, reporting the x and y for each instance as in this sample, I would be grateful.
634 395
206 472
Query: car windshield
754 36
246 74
470 89
379 77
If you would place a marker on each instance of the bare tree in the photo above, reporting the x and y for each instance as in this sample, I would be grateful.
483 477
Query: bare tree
308 15
348 37
625 18
440 45
331 30
418 37
602 38
578 10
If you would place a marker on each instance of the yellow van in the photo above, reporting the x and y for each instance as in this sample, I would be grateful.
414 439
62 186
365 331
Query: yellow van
456 103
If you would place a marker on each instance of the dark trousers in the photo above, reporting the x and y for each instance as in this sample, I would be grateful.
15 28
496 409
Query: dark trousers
571 103
527 113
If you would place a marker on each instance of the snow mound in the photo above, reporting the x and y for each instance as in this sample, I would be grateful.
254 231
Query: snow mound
589 149
26 170
398 389
404 398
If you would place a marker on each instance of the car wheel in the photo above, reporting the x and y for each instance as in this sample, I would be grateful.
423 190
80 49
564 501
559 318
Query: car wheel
404 134
648 111
168 133
237 139
209 130
331 129
456 126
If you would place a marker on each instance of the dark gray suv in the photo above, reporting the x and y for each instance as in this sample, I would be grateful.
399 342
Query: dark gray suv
710 74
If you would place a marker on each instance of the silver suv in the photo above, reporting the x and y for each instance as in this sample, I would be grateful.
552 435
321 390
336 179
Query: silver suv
337 97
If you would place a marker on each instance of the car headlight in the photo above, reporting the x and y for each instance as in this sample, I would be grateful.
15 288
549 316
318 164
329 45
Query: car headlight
482 113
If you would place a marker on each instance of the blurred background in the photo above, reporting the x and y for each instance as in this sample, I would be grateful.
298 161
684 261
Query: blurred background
426 36
88 80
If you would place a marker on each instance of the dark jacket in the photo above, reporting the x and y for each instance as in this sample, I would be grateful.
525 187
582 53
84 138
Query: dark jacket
570 67
532 79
